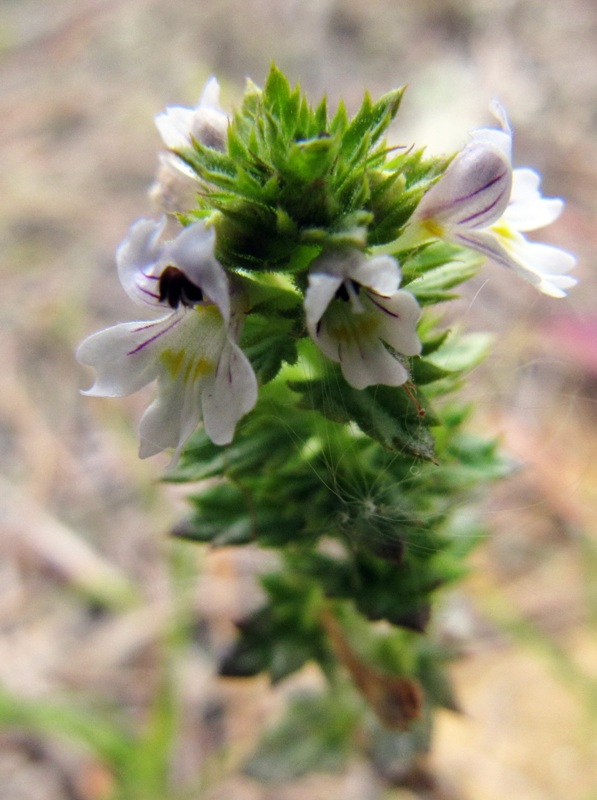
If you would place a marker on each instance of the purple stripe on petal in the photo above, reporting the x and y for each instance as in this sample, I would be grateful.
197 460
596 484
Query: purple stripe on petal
484 188
484 249
153 338
478 215
500 257
146 292
382 308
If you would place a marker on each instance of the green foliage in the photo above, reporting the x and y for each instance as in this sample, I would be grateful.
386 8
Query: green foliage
281 636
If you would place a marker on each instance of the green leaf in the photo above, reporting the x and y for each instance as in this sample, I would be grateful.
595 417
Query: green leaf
459 353
311 159
282 635
220 518
369 123
434 285
385 413
268 344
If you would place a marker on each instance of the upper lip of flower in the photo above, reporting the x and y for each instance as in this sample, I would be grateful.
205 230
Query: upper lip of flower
142 262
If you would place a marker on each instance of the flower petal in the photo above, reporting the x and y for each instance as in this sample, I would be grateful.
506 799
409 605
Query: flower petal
380 273
473 192
193 252
527 209
174 126
207 122
137 259
368 363
230 395
125 355
172 417
210 121
399 315
537 263
174 189
319 294
544 265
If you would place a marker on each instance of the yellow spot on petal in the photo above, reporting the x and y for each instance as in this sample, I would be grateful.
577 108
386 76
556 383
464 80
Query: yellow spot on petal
176 360
356 326
504 231
202 367
433 228
210 310
172 361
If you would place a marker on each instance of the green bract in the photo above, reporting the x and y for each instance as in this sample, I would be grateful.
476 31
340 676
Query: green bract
295 180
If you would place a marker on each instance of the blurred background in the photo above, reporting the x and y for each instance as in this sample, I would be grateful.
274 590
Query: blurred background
98 608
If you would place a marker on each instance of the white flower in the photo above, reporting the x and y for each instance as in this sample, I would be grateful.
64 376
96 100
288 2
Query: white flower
207 123
188 344
481 203
176 183
354 309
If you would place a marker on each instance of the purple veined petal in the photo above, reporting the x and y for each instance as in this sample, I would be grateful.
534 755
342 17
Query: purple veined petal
124 356
535 262
380 273
399 315
368 363
473 192
527 209
193 252
186 367
151 333
230 395
487 244
137 259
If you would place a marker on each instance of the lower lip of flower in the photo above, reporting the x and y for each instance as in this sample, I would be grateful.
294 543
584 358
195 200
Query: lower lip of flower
345 328
175 360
